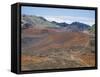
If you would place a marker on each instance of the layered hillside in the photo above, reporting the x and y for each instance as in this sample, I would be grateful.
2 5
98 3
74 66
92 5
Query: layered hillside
52 45
36 22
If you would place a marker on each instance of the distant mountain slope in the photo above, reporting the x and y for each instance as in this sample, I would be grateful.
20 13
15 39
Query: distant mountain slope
92 29
63 24
40 22
36 21
77 26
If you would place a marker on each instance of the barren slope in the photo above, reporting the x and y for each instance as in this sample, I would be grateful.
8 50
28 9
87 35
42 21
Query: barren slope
44 49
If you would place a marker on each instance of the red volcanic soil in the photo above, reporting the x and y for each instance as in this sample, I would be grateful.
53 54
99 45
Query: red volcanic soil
53 43
32 31
57 39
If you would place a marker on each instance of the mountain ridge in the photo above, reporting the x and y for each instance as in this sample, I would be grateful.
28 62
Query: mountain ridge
41 22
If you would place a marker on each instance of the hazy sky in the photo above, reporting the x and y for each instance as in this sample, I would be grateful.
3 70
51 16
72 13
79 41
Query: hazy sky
61 15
